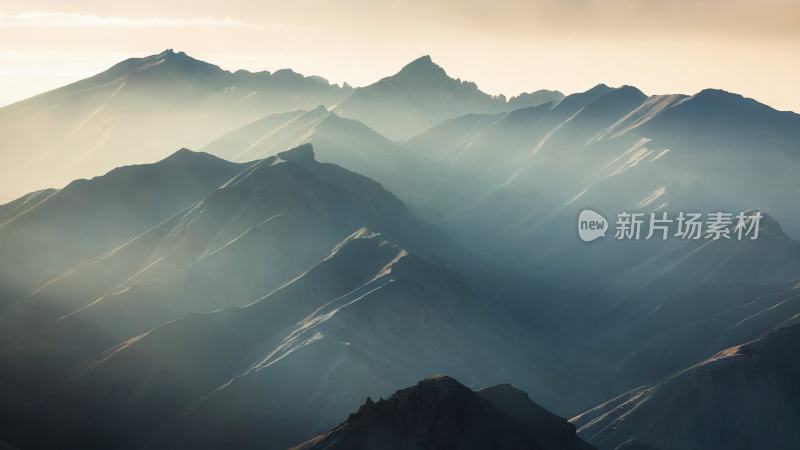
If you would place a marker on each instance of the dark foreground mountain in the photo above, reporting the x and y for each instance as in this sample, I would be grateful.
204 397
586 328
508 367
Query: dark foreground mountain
136 112
745 397
440 413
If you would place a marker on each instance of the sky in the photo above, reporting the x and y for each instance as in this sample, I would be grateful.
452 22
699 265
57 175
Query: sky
505 46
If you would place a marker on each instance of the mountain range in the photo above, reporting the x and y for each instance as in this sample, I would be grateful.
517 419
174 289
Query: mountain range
328 244
138 111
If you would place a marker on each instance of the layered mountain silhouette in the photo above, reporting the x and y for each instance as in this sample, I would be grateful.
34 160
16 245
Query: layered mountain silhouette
744 397
618 149
425 185
138 111
255 232
251 297
441 413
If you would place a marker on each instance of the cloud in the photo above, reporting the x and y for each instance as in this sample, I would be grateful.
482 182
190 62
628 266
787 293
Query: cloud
47 19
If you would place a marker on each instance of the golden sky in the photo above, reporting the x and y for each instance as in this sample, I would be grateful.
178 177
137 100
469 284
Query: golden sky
506 46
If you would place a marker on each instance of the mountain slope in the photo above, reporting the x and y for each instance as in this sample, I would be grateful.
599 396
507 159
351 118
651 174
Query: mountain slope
440 413
245 239
46 233
495 147
367 317
678 315
550 430
421 183
651 306
744 397
135 112
409 319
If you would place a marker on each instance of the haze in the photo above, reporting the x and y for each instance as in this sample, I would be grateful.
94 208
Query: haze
506 47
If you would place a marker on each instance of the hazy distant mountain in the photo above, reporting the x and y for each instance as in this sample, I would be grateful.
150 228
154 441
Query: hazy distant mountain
492 147
655 306
201 303
424 184
417 97
137 111
536 98
440 413
745 397
619 150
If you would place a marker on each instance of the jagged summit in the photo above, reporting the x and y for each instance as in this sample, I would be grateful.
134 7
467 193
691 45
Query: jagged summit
422 69
424 59
438 413
418 96
423 65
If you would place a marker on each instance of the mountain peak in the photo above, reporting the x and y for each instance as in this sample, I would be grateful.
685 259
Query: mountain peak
187 156
440 412
723 98
173 56
303 153
424 59
424 66
601 87
169 60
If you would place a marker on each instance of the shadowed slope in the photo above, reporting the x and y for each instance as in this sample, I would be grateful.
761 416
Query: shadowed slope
745 397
